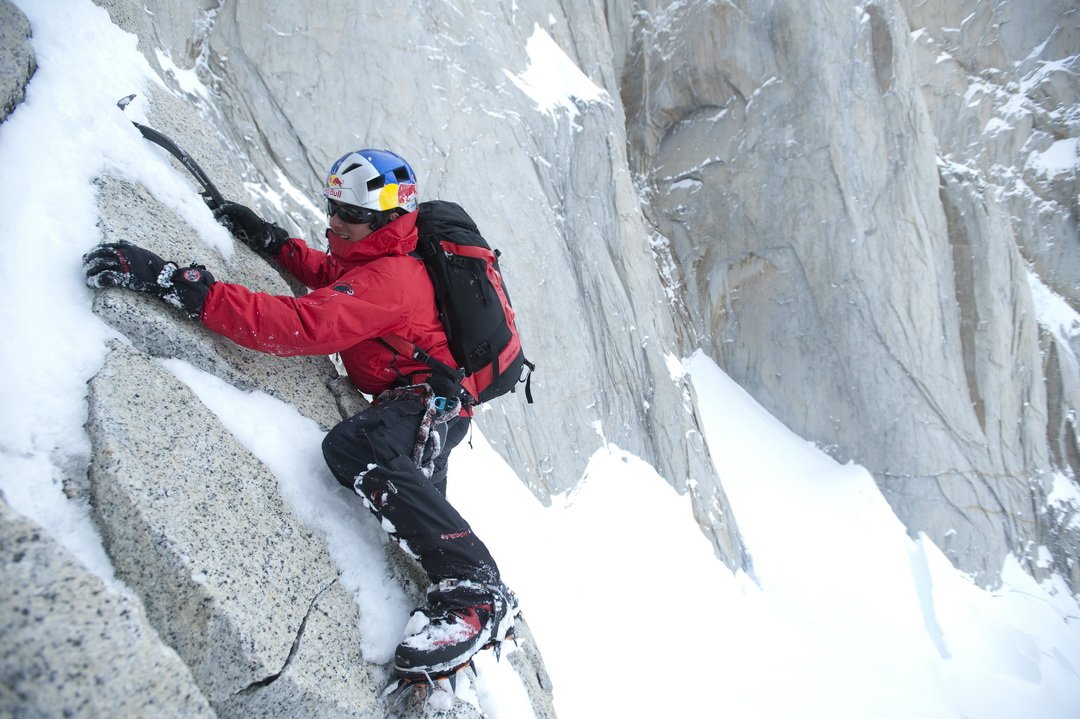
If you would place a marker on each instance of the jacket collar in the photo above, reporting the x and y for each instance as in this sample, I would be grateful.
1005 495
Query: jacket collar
396 238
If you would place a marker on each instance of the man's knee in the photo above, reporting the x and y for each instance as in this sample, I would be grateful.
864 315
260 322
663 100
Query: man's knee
343 453
331 444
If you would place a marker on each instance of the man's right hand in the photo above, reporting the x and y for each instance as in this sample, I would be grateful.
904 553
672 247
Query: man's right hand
264 237
122 264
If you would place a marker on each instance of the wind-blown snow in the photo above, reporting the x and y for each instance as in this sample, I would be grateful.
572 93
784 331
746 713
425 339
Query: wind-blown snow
1052 312
552 80
1060 157
846 617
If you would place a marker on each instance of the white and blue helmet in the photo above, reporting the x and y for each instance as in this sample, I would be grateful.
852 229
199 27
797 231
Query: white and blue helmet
376 179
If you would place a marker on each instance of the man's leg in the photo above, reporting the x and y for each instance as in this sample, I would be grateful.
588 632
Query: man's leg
468 608
371 453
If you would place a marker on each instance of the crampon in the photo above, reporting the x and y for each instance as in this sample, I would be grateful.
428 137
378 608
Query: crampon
405 695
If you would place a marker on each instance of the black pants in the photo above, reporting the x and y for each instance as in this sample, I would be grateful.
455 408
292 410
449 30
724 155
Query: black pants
371 454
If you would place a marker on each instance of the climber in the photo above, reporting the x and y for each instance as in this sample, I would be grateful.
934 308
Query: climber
393 454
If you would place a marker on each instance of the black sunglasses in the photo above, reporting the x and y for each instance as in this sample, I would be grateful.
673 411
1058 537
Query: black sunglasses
349 213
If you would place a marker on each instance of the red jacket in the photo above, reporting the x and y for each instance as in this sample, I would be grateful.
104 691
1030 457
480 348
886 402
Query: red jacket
361 291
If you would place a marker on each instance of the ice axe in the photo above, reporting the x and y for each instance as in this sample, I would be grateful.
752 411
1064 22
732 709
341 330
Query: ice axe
210 194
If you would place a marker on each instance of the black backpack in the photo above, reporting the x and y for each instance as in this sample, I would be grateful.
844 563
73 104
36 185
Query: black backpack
473 304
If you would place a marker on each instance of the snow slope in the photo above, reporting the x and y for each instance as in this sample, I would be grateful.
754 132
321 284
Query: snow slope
845 616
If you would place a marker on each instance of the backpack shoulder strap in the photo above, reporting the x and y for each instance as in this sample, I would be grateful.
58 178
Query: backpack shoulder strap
404 347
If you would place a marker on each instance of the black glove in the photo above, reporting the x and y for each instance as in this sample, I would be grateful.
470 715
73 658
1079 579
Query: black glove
190 286
122 264
264 237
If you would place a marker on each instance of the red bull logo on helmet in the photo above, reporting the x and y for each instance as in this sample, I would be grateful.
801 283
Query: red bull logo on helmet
333 186
407 197
396 195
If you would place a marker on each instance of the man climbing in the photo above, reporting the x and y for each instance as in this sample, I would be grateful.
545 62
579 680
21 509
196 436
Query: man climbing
393 454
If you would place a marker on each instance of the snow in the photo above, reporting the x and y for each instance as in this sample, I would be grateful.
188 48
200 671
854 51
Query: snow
1052 311
845 616
552 80
1062 156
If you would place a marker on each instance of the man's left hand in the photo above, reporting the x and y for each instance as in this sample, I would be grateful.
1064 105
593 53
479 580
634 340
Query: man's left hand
264 237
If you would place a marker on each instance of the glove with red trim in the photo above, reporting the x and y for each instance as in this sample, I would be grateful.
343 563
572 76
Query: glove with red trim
122 264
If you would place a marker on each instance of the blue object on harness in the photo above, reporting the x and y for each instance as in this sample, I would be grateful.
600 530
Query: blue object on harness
437 410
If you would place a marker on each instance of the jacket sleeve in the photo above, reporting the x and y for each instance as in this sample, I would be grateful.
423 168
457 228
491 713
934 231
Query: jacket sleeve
312 267
323 322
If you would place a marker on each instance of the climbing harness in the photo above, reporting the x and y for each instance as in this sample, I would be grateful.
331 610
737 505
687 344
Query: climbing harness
437 411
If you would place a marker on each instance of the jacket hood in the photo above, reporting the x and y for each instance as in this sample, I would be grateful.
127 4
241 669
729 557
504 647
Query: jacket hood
396 238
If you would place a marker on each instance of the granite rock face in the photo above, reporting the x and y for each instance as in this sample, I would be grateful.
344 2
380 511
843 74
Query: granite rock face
852 194
17 60
67 634
230 598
